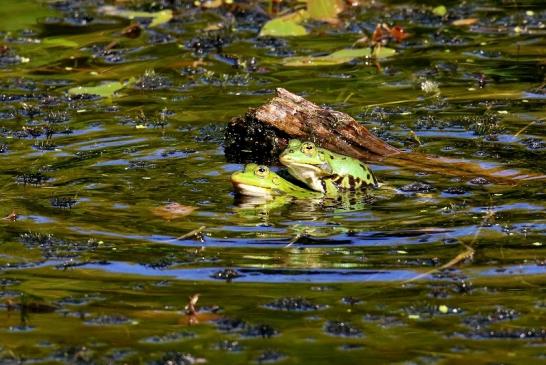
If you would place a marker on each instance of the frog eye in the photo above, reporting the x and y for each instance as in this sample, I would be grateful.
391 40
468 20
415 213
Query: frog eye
261 171
308 148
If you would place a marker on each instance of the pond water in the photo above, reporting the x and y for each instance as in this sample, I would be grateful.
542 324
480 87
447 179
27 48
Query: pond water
95 270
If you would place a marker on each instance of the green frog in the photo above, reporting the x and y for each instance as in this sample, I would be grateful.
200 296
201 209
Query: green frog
262 190
259 181
325 171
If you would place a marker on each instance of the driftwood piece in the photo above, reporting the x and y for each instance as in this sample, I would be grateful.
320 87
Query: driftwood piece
334 130
262 133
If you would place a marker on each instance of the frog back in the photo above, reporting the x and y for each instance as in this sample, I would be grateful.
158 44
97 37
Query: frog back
347 172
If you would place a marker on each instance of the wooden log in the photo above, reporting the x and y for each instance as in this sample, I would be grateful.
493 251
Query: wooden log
262 133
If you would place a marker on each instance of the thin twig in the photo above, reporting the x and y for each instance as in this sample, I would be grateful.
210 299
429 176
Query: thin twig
348 97
191 233
294 240
12 217
468 253
527 126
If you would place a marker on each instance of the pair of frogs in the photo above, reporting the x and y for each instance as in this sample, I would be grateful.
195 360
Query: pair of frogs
326 173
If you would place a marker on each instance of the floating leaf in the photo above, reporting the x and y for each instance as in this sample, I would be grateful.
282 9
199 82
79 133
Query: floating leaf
17 15
282 28
104 90
464 22
59 42
210 4
338 57
286 26
161 17
173 211
326 10
439 10
158 17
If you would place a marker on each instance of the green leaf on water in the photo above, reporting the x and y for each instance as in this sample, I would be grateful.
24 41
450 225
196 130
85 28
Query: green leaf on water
290 25
282 28
338 57
22 14
439 10
104 90
326 10
59 42
286 26
158 17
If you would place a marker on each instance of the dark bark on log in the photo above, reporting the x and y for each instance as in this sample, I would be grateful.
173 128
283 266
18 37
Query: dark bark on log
262 133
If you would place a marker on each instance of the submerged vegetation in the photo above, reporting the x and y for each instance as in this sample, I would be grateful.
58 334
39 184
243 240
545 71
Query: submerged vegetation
122 241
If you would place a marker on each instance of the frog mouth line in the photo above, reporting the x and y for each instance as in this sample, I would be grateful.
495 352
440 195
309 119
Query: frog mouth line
252 190
303 166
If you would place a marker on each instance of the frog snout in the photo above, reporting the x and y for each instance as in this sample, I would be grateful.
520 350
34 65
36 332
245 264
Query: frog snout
235 176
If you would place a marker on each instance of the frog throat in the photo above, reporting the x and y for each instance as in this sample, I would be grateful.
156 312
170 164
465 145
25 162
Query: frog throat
254 190
309 174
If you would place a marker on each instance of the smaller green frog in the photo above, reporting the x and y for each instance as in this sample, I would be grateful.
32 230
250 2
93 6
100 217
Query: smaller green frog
326 171
260 181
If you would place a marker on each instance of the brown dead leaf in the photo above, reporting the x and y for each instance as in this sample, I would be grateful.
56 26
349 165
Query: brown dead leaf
383 32
190 308
192 313
12 217
464 22
173 211
398 33
132 31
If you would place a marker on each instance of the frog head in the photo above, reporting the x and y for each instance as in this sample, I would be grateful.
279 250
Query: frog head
260 181
255 180
306 162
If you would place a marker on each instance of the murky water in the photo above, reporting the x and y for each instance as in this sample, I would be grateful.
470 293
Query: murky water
93 270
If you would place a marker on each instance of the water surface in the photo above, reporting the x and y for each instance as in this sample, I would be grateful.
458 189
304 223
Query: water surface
90 273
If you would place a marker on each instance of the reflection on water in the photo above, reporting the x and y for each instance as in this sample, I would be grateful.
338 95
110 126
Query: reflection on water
262 275
86 176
